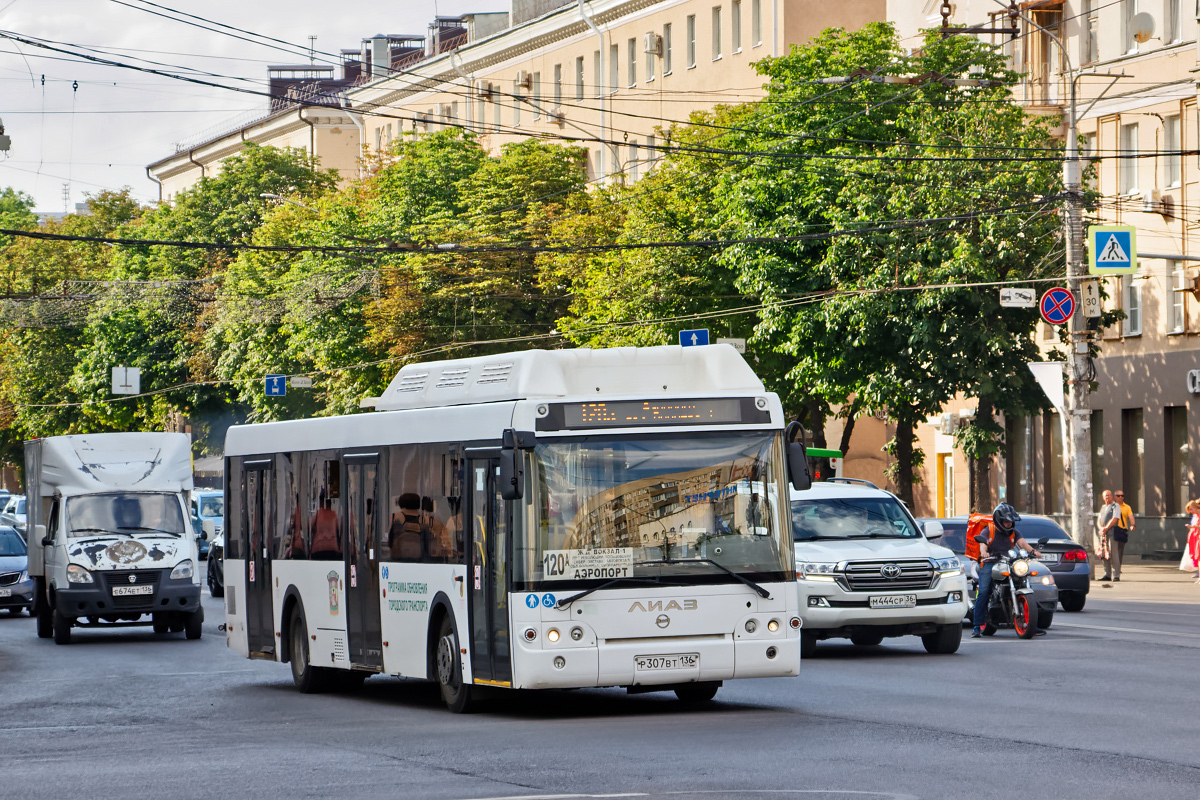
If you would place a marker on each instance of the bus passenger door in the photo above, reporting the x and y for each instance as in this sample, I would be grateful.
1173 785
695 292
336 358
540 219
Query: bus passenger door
362 574
256 522
487 576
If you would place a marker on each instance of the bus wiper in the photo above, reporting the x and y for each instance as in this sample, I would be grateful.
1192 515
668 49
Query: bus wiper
150 530
763 593
567 601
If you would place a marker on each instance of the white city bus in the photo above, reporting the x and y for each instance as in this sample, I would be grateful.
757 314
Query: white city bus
543 519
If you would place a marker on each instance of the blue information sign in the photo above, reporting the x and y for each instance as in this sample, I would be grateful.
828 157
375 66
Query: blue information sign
693 338
276 385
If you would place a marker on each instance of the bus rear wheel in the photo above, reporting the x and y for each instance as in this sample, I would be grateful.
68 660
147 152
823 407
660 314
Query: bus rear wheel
308 679
698 692
455 694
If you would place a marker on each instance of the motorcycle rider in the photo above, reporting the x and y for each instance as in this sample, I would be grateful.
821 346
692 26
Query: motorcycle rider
1002 537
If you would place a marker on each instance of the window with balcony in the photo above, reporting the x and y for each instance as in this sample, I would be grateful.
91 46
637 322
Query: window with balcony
1127 176
1044 62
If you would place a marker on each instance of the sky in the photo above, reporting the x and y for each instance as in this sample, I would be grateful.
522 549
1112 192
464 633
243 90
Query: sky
90 127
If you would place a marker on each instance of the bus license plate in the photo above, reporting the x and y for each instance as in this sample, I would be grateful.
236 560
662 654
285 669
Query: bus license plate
894 601
121 591
677 661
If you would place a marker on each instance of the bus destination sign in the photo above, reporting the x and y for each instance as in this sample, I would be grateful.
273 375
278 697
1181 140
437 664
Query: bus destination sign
653 413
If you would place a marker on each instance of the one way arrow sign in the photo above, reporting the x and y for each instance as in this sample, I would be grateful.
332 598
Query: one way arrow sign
693 338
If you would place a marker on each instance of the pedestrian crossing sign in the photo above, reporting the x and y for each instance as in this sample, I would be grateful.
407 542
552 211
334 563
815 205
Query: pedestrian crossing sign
1112 249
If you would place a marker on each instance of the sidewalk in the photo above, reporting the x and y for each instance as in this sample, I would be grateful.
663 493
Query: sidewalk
1160 582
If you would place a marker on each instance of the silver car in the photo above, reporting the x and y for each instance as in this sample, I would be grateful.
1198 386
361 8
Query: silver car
16 587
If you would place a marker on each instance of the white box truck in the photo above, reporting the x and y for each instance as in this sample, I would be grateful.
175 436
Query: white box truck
110 540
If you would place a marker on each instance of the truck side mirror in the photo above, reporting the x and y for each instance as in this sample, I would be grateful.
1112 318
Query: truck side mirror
40 530
799 472
209 530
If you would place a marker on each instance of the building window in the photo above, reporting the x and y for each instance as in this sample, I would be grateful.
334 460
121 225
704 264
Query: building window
634 153
716 32
1097 441
1128 183
1056 473
633 62
1179 484
651 150
1091 32
1175 292
1133 442
558 84
755 22
481 114
614 67
579 78
1129 9
516 98
536 100
1131 295
666 49
1172 158
1018 463
496 106
650 59
691 41
735 20
1173 21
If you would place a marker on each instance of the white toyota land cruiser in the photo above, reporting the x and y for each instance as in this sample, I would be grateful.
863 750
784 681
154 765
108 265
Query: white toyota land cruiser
866 570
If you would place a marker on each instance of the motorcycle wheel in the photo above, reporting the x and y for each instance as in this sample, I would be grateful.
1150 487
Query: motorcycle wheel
989 629
1025 618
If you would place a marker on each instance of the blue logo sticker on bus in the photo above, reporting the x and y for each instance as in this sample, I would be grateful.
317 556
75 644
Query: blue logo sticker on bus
548 600
531 600
385 572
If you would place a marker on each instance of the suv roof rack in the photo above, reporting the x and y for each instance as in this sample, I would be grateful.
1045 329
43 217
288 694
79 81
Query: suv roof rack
851 480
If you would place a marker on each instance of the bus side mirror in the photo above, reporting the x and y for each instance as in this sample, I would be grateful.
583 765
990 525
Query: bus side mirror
799 472
512 473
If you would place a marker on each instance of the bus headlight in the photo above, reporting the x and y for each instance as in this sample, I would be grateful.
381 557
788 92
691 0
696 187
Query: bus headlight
182 570
552 634
773 625
77 574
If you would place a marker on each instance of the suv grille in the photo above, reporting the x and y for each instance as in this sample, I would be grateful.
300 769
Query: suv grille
866 576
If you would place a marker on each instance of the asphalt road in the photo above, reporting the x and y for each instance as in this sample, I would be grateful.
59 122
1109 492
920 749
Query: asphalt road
1106 705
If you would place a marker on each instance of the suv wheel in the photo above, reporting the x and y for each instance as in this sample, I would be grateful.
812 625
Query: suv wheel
944 641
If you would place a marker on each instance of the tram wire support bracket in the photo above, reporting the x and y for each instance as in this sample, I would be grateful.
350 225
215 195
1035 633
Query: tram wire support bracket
1014 16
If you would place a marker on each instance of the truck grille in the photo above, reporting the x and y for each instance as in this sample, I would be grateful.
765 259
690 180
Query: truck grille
141 577
867 576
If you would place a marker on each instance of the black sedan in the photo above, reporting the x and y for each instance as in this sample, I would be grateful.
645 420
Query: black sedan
216 566
1066 560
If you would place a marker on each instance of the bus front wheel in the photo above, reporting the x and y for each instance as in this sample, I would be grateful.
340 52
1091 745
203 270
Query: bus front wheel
308 679
455 694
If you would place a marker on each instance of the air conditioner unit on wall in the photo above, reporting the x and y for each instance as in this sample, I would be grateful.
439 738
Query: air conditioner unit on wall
652 44
484 89
948 423
525 79
1150 201
444 110
557 116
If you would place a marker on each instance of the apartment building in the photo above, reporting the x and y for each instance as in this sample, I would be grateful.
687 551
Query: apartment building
1135 99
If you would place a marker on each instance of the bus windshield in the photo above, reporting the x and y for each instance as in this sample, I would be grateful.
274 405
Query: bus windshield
148 512
604 508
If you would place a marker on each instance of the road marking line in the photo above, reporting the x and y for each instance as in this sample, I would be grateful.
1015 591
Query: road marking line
1126 630
1156 613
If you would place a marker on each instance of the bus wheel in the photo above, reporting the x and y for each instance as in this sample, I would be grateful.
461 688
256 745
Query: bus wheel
455 694
698 692
308 679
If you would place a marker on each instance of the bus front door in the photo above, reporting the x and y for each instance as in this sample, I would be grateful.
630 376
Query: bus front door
260 605
362 574
487 577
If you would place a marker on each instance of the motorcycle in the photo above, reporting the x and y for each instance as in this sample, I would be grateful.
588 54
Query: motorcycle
1012 599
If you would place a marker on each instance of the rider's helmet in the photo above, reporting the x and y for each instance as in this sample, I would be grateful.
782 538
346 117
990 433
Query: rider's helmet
1005 517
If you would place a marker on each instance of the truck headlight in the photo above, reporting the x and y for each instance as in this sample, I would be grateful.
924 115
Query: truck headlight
815 571
949 567
182 570
77 574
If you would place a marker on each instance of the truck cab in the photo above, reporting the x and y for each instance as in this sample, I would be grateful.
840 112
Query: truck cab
111 539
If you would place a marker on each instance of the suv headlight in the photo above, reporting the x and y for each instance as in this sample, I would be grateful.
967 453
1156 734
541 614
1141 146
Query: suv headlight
182 570
77 574
816 571
1020 568
948 567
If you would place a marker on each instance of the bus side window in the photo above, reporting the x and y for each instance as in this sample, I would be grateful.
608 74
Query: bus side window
326 525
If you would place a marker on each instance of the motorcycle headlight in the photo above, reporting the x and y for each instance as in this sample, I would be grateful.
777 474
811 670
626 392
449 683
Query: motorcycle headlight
182 570
77 574
949 567
815 571
1020 568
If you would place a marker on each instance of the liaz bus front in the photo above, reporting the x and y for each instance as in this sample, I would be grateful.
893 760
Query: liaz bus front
651 531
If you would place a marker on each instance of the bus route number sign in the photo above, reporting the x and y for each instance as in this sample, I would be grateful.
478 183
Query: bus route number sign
603 562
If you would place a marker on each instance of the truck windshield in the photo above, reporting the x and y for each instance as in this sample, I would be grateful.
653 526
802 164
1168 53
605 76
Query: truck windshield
153 512
851 518
605 508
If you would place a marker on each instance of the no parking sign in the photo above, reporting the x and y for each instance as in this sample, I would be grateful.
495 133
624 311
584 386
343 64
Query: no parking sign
1057 305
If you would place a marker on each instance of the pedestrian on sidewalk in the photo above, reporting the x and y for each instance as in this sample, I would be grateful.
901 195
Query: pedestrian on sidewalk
1110 513
1119 535
1191 549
